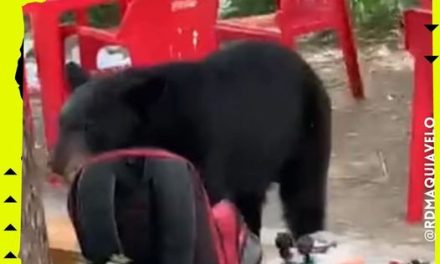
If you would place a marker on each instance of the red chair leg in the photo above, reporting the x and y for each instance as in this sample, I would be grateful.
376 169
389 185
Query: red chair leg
421 109
50 57
347 42
86 46
351 64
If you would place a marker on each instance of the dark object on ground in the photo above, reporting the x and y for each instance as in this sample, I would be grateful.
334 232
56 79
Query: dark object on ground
305 245
416 261
284 242
324 248
148 206
248 115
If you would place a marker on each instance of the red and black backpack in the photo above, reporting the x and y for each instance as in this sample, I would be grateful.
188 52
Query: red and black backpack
149 206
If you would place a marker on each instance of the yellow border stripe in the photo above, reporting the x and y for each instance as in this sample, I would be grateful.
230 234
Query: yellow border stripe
11 22
11 111
11 108
436 96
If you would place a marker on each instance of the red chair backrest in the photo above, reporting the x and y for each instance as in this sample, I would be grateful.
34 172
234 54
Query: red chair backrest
194 22
418 41
178 29
304 12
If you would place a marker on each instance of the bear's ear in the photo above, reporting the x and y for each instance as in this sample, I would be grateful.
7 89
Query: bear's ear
76 75
142 94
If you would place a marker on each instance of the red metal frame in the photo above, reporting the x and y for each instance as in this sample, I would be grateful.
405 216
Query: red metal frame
418 41
49 38
172 25
297 17
88 46
153 17
143 22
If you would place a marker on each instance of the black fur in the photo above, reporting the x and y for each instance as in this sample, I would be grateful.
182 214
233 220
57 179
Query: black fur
249 115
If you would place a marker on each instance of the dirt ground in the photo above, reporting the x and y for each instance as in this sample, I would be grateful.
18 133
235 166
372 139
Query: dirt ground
369 166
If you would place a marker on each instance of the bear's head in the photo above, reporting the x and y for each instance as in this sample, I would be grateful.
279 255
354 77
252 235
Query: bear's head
106 113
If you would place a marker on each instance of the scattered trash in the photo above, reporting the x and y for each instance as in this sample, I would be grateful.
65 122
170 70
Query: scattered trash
383 166
414 261
32 76
390 97
108 58
352 134
395 117
316 249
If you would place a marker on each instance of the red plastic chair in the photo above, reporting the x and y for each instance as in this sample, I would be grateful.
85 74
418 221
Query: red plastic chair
427 4
49 38
87 45
158 31
297 17
418 42
82 19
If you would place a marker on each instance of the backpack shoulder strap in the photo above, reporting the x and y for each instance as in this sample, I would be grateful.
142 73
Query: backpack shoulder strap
91 207
173 192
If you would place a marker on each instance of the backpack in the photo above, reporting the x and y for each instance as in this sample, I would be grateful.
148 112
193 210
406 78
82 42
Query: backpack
146 206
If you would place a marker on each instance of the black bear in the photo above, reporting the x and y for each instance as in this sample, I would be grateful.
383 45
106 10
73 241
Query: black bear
248 115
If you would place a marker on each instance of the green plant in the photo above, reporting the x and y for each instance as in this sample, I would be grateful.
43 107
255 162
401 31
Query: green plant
105 15
101 16
372 18
378 15
236 8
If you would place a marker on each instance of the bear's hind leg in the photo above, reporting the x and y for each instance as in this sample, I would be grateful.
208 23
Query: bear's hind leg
303 180
251 206
303 199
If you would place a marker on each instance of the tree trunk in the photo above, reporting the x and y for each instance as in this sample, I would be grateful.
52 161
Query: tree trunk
34 242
